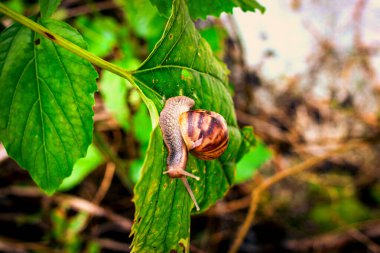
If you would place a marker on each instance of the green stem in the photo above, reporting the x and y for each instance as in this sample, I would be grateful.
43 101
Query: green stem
66 44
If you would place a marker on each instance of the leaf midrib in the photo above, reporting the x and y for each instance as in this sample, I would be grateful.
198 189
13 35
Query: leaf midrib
47 174
174 44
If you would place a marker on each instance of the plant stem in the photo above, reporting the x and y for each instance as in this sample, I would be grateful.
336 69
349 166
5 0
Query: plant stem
66 44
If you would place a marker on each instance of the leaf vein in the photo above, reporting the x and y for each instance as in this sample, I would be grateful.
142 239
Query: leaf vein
41 110
23 131
170 211
175 43
9 47
71 85
180 67
63 112
159 43
14 92
196 52
155 205
60 139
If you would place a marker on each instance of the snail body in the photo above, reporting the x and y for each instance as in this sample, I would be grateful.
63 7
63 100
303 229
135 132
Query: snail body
201 132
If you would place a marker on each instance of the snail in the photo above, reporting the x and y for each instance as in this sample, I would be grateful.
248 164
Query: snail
200 132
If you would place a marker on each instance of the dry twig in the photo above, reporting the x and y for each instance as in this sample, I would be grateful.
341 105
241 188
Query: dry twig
106 183
76 203
257 192
10 245
334 240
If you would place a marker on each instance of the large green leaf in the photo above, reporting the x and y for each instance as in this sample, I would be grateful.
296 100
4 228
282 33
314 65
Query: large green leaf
46 102
203 8
182 63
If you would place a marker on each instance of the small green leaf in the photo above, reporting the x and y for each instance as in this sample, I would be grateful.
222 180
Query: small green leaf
48 7
182 63
47 97
203 8
252 161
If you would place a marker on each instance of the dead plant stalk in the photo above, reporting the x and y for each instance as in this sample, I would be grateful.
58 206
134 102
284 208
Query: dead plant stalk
257 192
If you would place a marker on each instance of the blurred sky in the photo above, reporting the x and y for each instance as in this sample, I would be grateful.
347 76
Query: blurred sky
289 32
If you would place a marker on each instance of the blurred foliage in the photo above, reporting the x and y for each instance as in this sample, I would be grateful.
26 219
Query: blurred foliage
342 211
17 5
104 29
82 168
142 134
66 229
215 36
48 7
144 19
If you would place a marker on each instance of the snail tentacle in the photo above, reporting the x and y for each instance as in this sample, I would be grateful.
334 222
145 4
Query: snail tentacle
187 186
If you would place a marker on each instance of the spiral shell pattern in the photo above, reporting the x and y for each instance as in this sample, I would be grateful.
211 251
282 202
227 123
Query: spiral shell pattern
205 133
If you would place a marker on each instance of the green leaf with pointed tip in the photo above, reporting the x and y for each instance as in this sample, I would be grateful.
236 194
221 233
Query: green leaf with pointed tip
182 63
48 7
203 8
46 102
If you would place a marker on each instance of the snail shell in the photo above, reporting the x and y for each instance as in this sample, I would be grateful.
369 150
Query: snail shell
203 133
